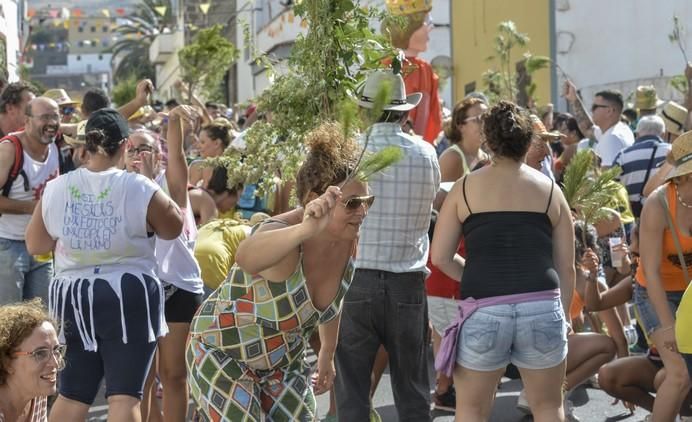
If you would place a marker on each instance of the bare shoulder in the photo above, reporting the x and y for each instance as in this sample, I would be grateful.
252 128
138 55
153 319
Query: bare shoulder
281 221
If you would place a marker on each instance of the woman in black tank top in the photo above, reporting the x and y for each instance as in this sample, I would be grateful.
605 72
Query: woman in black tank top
520 243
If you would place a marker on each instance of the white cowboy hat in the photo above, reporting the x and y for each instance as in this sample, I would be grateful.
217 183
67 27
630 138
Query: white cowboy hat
399 101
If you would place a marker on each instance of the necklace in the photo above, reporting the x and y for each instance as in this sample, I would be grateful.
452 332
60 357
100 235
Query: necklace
684 204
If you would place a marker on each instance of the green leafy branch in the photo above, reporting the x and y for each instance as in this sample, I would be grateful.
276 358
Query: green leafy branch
677 36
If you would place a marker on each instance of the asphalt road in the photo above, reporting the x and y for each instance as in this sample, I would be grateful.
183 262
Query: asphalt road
591 405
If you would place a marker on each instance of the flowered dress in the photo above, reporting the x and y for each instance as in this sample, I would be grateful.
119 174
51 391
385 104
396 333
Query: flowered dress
246 353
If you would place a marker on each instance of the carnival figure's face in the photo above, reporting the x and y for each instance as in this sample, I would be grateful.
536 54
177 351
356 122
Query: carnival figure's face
421 37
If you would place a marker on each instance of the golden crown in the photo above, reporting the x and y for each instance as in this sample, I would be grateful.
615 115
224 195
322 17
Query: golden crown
408 7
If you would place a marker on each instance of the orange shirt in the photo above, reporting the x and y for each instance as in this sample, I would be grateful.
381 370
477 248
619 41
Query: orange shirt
576 306
671 271
427 116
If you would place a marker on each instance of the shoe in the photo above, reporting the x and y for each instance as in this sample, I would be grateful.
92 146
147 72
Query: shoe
523 404
329 418
569 411
374 416
446 401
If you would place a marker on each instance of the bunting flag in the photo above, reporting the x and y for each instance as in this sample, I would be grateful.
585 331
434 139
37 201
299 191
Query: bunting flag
53 13
291 17
205 7
120 11
65 13
106 13
31 12
66 24
56 23
76 12
161 10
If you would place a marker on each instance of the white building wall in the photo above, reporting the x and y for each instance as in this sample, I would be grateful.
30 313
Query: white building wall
9 21
87 63
285 28
620 44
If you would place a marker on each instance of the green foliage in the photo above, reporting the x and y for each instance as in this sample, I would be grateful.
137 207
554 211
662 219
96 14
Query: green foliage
679 83
678 36
206 59
125 90
131 52
499 81
588 190
325 69
376 162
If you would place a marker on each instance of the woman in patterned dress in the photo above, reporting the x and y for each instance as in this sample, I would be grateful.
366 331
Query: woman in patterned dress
246 354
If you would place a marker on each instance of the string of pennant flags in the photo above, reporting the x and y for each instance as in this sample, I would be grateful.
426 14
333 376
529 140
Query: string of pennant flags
66 13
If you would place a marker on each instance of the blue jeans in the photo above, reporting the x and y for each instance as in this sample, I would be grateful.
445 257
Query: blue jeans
22 277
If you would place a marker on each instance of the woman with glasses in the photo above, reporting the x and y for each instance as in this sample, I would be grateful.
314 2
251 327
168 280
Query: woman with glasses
464 134
101 222
30 358
246 353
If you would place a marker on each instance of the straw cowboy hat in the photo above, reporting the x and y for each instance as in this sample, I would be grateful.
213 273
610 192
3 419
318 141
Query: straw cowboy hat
646 98
540 130
674 115
682 155
80 139
399 100
60 96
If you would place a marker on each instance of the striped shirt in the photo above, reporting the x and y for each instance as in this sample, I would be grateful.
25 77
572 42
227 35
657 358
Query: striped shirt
635 162
394 236
38 410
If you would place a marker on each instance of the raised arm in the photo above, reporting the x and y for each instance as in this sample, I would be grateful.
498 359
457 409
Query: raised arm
177 171
206 118
583 118
144 88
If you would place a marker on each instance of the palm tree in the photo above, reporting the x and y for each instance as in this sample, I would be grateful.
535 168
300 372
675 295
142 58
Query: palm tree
131 51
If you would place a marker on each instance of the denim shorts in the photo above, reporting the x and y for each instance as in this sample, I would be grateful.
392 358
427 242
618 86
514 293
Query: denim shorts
531 335
645 312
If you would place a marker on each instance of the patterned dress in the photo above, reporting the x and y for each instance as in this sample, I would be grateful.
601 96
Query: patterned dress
246 353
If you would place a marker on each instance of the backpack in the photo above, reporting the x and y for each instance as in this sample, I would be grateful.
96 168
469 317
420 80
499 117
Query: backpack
17 168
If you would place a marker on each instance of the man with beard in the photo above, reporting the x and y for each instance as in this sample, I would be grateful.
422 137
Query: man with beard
23 276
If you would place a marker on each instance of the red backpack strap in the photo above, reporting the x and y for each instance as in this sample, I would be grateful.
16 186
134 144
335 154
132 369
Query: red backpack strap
16 166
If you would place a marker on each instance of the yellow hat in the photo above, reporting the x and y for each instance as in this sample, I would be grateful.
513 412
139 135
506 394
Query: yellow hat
59 96
143 111
682 155
408 7
646 98
674 115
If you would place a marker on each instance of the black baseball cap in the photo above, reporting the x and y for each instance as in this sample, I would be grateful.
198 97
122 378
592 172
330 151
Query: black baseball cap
112 123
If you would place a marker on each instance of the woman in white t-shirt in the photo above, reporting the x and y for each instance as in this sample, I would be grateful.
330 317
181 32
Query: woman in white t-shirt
100 223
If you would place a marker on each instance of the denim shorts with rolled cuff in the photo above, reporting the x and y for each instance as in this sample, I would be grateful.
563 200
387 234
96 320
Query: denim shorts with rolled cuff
644 309
530 335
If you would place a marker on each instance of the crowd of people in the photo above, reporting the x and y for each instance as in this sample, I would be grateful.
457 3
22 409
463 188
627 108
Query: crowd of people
125 259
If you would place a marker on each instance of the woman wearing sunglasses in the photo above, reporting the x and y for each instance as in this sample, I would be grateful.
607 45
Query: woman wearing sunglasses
246 354
30 358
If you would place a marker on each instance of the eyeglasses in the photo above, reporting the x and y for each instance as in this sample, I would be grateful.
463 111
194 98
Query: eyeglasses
43 354
67 110
596 106
352 204
473 119
142 148
46 117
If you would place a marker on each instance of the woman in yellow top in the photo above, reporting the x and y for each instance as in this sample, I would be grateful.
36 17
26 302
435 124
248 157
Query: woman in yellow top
660 277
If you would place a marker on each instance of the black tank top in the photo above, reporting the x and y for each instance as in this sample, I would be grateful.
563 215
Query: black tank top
508 252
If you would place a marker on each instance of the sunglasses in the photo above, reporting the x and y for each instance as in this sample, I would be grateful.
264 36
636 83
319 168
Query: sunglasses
597 106
473 119
353 204
43 355
67 110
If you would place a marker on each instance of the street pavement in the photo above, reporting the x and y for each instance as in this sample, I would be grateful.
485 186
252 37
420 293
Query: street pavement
591 405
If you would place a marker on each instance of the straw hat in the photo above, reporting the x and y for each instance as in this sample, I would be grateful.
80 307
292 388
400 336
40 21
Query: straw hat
674 115
682 155
60 96
408 7
80 139
646 98
399 100
540 130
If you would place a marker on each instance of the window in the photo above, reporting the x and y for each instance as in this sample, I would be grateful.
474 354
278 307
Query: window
105 28
79 58
93 29
100 56
80 29
80 43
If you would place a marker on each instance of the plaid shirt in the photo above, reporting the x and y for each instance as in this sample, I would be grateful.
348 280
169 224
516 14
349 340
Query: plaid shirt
394 236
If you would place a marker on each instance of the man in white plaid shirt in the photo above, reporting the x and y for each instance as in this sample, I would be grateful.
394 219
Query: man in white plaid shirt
386 303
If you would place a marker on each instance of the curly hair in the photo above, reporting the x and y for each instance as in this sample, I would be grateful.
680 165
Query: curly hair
508 130
12 94
460 113
220 129
330 158
17 322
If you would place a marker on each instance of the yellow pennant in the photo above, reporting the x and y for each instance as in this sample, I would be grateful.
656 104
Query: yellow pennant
161 10
205 7
106 13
